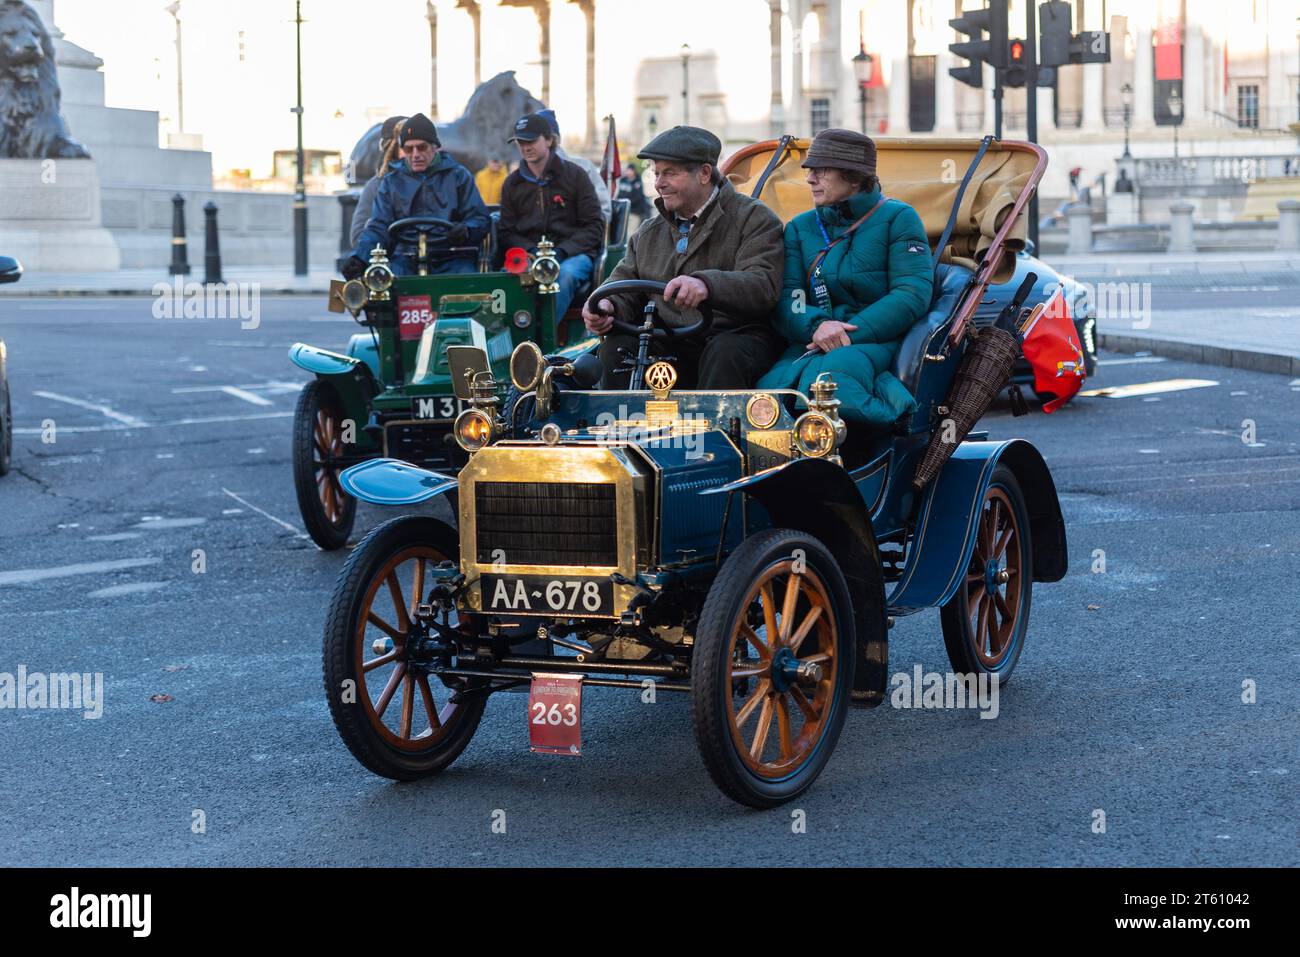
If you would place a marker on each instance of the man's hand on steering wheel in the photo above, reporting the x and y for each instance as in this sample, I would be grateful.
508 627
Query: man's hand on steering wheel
458 234
601 320
353 267
686 292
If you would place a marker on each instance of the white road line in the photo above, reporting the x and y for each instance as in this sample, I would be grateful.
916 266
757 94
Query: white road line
1149 388
1129 362
25 576
197 420
128 420
244 394
279 521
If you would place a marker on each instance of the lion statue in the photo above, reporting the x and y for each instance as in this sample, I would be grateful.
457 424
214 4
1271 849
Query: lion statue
31 126
479 134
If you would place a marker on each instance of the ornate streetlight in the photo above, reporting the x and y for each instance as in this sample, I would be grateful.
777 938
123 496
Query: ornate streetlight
1176 111
863 68
1126 95
300 187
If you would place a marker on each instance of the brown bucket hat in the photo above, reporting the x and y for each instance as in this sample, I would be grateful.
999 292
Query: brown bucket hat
842 149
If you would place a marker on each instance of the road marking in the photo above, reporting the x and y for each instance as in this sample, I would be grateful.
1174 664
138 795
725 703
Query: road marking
151 522
197 420
135 588
25 576
129 421
1149 388
115 537
265 514
238 393
1136 360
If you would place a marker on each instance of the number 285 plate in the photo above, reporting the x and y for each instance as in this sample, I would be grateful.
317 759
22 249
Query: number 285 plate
543 595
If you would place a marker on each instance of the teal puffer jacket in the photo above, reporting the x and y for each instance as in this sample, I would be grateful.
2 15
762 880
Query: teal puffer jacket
880 280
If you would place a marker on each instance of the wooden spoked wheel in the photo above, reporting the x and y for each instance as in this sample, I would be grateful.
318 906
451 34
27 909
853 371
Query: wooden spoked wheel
389 702
319 452
783 670
984 623
402 705
772 667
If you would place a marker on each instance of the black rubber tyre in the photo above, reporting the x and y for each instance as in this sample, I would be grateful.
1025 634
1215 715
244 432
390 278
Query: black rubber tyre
995 648
327 511
6 429
738 602
359 717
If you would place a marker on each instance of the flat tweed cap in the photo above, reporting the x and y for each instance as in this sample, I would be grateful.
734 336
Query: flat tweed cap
685 144
842 149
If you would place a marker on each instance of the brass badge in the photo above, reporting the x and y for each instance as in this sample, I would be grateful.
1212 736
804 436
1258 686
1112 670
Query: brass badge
661 377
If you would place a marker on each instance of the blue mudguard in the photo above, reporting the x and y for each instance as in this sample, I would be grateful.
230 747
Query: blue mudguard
944 539
390 482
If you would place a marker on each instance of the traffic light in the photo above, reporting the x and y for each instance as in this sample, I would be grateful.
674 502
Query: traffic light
1014 75
1054 33
978 50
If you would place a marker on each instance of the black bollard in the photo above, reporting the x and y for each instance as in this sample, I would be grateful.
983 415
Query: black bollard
211 246
348 206
180 252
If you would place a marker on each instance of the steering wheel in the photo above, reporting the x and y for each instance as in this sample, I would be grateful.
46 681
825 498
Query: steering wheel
409 230
661 328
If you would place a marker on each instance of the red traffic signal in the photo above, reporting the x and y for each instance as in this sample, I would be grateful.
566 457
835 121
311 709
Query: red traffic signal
1017 52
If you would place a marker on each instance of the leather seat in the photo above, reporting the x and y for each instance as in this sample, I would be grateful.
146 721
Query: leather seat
909 362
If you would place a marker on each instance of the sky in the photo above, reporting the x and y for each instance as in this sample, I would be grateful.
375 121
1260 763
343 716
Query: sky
364 61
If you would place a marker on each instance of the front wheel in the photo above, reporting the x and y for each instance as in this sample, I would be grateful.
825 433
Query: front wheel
328 512
376 646
772 668
985 621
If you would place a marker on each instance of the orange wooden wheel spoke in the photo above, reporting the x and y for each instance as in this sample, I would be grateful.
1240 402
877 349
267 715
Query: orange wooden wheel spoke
764 652
810 713
974 599
769 615
1000 546
792 588
783 726
374 663
385 627
750 671
418 591
399 604
382 704
429 708
764 727
1001 602
805 626
982 617
408 705
759 696
815 659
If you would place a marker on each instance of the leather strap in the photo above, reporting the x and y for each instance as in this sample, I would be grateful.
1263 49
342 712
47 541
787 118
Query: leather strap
821 256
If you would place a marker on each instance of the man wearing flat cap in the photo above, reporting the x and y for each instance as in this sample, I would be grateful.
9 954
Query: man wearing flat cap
427 183
708 243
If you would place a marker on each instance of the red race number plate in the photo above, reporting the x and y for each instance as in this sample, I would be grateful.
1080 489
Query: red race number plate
413 314
555 714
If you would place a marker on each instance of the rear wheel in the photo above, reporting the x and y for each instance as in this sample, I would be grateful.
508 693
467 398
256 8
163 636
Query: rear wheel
396 718
985 622
6 429
328 512
772 668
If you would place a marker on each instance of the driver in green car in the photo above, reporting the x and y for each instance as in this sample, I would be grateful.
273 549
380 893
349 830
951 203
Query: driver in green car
428 183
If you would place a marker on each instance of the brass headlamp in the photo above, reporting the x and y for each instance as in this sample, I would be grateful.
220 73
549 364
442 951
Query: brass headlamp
545 269
378 276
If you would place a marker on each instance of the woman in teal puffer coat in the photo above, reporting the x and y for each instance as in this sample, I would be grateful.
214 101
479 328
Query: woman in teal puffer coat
858 275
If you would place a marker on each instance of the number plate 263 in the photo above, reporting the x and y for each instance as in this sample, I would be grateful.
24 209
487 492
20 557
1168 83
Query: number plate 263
555 714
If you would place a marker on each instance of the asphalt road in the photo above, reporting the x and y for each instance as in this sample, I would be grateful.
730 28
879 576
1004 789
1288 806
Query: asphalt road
173 435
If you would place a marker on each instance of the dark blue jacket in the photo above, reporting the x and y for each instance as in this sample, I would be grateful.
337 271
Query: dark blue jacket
445 190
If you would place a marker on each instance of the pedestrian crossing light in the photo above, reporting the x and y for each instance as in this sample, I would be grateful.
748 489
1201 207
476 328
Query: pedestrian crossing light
1014 75
987 30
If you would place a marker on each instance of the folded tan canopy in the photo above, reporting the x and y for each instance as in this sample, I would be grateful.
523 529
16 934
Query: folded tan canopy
925 174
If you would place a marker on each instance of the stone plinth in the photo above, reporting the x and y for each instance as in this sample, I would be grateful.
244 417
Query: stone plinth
50 216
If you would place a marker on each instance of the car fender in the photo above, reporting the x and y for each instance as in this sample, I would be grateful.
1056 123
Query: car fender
392 482
351 377
819 497
944 538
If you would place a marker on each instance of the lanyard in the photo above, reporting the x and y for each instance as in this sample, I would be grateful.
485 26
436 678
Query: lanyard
815 269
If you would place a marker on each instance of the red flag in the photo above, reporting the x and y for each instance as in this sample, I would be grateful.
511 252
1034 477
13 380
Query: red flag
1052 347
610 167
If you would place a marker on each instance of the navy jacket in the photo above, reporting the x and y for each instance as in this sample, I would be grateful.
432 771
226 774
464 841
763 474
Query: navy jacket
445 190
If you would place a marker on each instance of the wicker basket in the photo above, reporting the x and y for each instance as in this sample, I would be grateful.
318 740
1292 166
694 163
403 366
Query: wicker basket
984 370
